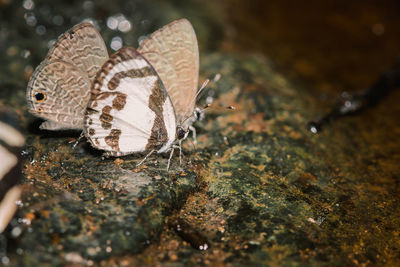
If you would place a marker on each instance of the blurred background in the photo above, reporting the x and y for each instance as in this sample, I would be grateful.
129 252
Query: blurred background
330 46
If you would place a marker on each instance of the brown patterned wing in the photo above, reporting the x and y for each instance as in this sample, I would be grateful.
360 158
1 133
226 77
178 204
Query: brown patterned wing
81 46
174 54
129 109
59 92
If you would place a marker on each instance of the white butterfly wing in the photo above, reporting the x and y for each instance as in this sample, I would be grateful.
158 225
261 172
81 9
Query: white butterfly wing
129 110
174 54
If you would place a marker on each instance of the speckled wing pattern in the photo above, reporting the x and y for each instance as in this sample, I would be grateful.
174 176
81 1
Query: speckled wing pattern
59 92
83 47
129 110
11 142
59 88
174 54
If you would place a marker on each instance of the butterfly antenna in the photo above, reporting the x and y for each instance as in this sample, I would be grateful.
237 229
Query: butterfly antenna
205 83
202 87
200 90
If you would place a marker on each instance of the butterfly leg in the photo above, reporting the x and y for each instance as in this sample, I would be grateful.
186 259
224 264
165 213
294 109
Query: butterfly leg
170 157
180 152
148 155
191 128
78 140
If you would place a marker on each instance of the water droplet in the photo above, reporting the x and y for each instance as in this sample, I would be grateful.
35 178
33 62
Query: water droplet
313 129
19 203
41 30
16 231
116 43
30 19
91 251
26 53
217 77
203 247
5 260
20 251
28 4
112 23
119 22
124 26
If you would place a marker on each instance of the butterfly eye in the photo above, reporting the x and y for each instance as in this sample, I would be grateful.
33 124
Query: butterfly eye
39 96
180 134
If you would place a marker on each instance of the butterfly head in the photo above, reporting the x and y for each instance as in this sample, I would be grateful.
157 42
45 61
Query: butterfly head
181 133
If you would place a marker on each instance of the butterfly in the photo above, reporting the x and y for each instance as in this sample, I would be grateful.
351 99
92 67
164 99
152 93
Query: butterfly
144 99
134 101
59 88
11 142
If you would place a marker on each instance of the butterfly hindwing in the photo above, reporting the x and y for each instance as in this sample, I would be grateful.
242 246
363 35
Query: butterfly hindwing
58 91
59 88
129 110
173 52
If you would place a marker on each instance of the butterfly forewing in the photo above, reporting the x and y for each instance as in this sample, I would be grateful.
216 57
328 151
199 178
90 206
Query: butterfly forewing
174 54
59 92
129 110
81 46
